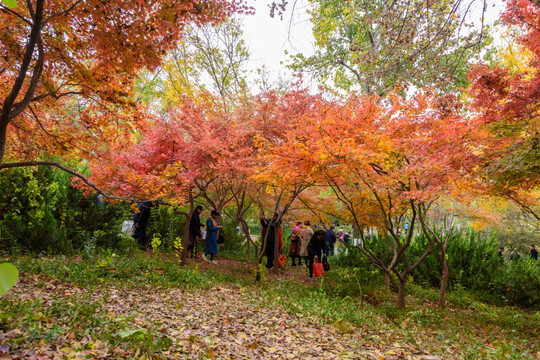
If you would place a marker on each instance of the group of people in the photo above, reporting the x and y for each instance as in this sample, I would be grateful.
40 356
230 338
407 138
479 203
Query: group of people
306 244
210 235
514 255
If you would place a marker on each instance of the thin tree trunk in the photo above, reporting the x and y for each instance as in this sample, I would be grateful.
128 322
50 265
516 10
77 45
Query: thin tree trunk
245 228
185 240
276 249
386 281
400 297
444 278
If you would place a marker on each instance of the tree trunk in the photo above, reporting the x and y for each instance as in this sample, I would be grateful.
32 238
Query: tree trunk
444 278
276 249
245 228
400 297
185 240
3 137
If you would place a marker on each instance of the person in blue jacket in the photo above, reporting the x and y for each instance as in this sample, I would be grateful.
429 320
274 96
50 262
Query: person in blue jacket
330 239
212 227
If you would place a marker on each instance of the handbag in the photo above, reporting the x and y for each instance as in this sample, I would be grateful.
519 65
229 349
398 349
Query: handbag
325 263
221 238
281 261
318 269
128 227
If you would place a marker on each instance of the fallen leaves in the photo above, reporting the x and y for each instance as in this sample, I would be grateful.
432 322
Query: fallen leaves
344 326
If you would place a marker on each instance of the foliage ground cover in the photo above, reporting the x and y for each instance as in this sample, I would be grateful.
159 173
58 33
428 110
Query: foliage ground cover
147 306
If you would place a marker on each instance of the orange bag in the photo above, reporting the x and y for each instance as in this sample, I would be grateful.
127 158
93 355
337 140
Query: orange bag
318 269
282 260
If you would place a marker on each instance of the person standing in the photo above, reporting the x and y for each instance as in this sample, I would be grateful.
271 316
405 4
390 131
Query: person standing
317 247
330 238
306 234
194 231
347 238
514 256
140 222
534 253
270 233
294 251
500 253
212 227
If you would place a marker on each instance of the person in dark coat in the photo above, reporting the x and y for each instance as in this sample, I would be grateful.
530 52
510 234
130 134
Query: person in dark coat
271 229
140 222
194 231
212 227
330 239
534 253
317 247
347 238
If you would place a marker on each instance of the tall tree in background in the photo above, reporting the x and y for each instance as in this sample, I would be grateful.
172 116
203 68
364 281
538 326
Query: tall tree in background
380 46
505 98
85 54
210 58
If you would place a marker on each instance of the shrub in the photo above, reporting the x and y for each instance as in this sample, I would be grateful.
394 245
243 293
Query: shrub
41 211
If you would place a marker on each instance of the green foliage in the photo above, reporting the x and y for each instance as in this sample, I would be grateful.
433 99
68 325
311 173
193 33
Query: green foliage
8 277
40 210
377 46
166 225
10 3
474 265
518 283
235 245
472 260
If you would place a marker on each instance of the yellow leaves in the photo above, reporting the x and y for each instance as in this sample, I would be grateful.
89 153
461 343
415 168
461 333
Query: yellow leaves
344 326
210 353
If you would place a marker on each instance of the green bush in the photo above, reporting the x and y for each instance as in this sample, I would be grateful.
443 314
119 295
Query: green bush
41 211
518 283
474 265
235 245
472 261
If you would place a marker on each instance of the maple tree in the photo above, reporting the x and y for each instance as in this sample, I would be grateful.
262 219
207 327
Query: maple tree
505 99
67 67
384 161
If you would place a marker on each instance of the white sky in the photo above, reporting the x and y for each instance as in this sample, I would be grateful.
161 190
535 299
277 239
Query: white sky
269 38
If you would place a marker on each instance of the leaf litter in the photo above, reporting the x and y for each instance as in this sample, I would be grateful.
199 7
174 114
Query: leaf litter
219 323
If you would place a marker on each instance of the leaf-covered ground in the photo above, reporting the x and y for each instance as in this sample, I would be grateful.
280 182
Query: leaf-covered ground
56 319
